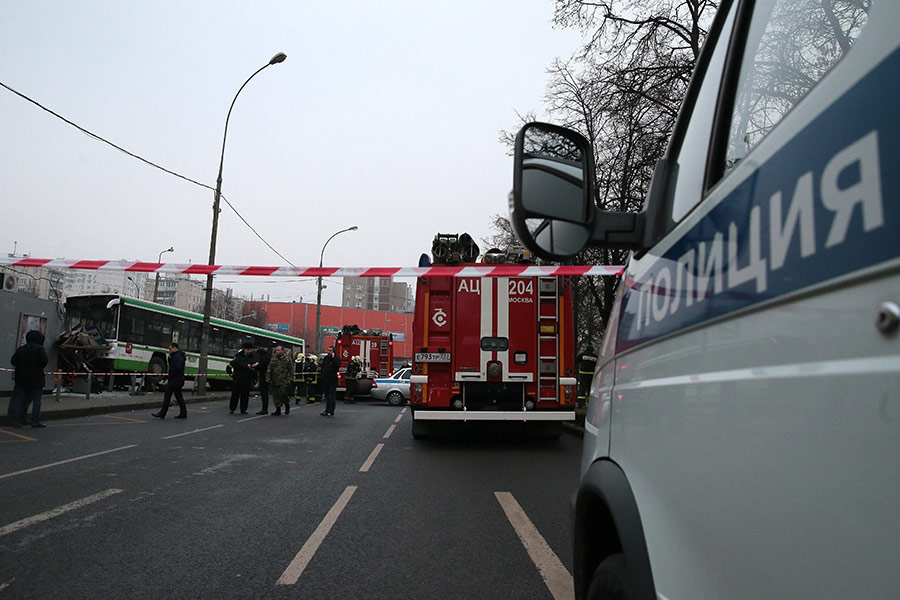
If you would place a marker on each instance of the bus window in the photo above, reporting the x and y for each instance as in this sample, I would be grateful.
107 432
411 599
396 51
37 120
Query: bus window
159 330
192 342
217 342
131 325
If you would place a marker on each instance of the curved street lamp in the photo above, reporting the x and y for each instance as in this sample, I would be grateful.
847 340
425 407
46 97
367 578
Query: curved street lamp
207 305
156 283
316 347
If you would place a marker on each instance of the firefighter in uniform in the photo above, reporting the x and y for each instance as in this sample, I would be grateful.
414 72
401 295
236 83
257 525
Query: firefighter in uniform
586 363
299 378
311 374
351 377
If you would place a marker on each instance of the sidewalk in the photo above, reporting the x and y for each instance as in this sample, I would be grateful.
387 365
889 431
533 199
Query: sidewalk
75 405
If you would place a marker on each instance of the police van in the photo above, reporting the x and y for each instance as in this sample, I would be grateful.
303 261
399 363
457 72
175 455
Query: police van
743 432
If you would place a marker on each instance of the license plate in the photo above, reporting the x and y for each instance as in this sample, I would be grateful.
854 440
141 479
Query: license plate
432 357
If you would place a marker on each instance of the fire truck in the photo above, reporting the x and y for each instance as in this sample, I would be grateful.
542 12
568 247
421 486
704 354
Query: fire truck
491 348
374 347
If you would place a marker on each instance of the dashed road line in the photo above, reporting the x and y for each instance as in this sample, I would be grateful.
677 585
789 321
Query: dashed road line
23 523
556 576
390 431
368 464
294 570
400 416
169 437
68 460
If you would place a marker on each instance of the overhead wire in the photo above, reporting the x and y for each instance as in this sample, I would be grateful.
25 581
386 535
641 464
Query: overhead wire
145 161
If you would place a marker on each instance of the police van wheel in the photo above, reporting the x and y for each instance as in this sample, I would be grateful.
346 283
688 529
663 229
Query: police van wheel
395 398
610 580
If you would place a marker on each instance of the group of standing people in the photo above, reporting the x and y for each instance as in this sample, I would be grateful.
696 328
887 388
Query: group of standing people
281 376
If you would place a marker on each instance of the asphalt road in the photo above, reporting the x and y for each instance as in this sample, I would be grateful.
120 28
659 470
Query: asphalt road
300 506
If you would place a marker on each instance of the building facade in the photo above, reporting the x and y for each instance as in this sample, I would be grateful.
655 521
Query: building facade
377 293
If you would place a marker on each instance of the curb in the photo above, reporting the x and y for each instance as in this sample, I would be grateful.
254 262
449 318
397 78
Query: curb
71 413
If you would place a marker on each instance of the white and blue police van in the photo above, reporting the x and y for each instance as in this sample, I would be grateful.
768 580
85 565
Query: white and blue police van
743 432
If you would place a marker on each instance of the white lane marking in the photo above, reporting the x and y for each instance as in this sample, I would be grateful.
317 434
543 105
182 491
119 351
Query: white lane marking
22 524
6 584
390 431
403 411
251 418
400 416
169 437
368 464
556 576
68 460
295 569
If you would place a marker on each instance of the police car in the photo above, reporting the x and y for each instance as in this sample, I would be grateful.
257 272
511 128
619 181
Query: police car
743 429
394 389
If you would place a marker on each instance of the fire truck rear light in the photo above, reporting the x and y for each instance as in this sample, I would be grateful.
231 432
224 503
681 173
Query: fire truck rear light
520 358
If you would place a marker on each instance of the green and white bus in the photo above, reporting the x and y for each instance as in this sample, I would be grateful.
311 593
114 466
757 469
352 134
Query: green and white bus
139 333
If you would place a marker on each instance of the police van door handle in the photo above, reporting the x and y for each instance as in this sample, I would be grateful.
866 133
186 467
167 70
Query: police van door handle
888 319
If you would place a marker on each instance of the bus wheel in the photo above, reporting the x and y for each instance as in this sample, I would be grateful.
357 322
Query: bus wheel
157 369
610 580
395 398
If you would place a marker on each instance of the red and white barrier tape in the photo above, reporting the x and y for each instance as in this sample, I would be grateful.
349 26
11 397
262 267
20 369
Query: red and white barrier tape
434 271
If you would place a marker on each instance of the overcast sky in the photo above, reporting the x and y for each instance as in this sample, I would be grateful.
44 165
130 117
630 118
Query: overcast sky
385 115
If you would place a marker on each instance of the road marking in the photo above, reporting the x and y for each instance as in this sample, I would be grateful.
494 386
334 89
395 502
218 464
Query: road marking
129 419
18 435
389 431
371 459
68 460
22 524
556 576
400 416
6 584
252 418
403 411
169 437
295 569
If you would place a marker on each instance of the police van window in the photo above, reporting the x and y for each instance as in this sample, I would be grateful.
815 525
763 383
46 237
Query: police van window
691 161
790 46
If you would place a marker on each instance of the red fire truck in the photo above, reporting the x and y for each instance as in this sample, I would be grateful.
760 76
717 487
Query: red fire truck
374 347
491 348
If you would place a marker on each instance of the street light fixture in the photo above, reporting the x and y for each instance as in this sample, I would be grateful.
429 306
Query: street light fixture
156 283
207 305
317 347
136 286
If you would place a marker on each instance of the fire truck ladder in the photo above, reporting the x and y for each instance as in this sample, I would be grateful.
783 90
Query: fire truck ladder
383 367
548 339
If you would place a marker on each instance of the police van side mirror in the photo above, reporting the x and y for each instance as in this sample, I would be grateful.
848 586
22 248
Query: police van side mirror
551 206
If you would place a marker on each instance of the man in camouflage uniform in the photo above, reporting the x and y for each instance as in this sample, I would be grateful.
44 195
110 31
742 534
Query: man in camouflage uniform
280 376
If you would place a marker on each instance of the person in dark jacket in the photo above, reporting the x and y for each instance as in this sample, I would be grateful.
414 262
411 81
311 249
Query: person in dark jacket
29 361
241 370
328 379
174 383
262 365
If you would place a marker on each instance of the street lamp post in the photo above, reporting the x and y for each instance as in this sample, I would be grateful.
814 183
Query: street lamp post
316 347
136 286
207 304
156 283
